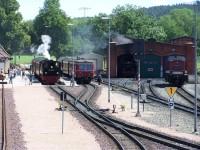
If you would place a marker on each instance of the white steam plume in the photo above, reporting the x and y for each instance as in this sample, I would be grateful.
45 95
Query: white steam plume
44 48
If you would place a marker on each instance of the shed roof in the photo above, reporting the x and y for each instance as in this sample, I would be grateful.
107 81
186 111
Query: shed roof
3 53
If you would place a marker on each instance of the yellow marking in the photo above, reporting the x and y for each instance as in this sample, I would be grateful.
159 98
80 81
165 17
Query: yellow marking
171 90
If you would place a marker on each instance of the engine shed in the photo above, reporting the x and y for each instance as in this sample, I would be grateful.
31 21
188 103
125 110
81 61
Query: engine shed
125 54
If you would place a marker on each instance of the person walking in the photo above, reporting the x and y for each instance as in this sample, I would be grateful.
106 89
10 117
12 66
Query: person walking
10 75
31 79
99 79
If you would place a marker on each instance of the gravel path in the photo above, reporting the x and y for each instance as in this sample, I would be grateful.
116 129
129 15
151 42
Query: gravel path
155 116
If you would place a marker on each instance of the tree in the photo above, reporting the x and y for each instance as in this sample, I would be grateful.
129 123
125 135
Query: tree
13 37
178 23
53 21
132 22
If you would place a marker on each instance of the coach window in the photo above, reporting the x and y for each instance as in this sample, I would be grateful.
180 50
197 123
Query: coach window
82 67
89 67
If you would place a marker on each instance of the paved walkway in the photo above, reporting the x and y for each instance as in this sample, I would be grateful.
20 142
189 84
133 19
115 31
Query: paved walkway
41 122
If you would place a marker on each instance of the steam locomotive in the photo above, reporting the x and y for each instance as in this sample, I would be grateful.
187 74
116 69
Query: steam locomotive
82 70
175 70
47 71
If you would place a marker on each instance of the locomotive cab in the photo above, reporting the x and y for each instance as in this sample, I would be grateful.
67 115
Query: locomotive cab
175 72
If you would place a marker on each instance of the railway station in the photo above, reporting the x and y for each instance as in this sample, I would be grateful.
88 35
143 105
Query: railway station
121 79
37 122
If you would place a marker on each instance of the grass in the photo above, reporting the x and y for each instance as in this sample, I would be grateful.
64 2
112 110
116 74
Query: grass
24 59
198 63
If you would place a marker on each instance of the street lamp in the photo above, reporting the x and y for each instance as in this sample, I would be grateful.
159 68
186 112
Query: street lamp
72 79
138 78
107 18
195 64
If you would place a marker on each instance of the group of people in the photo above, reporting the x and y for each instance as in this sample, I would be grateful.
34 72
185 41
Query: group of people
13 72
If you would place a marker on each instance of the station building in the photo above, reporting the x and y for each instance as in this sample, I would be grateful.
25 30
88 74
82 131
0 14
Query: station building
4 59
126 54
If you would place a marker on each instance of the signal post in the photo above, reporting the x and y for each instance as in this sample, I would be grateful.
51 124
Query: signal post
171 91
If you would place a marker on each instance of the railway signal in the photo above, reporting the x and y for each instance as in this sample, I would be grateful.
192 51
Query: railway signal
171 91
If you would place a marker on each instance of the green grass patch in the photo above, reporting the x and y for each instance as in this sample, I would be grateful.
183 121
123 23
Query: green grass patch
24 59
198 63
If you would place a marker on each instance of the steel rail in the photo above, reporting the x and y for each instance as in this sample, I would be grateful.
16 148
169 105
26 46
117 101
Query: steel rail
148 134
88 115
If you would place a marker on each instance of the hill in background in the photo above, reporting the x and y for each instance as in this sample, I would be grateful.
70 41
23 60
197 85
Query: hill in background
158 11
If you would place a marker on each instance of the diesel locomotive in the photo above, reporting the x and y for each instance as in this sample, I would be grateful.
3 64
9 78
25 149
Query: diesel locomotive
175 70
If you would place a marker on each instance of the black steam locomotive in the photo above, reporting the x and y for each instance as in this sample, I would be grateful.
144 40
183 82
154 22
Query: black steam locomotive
47 71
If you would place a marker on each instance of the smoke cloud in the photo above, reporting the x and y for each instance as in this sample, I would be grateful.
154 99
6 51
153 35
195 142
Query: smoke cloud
45 46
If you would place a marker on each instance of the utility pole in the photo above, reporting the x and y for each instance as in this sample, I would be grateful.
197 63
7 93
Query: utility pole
195 64
138 99
84 10
107 18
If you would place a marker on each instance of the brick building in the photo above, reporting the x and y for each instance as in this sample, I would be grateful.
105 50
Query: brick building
124 56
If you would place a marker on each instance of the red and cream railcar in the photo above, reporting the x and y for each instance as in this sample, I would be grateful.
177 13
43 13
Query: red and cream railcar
83 70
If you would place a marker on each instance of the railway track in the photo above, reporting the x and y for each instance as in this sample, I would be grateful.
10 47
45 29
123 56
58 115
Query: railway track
120 137
153 97
125 134
157 97
188 96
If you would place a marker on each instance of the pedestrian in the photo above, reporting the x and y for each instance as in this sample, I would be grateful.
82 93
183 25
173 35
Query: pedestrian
23 74
26 79
72 82
99 79
31 79
10 77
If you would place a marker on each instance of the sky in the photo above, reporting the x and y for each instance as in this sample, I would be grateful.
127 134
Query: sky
75 8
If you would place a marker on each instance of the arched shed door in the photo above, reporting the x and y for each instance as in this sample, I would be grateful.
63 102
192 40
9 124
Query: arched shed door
150 66
127 67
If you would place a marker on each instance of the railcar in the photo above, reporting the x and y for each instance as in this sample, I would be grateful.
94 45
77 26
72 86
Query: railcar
83 70
47 71
175 70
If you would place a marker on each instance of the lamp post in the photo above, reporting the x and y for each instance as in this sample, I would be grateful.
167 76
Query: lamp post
138 99
195 64
72 79
107 18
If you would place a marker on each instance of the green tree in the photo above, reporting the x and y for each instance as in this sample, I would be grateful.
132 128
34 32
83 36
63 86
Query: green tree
13 36
178 23
52 21
132 22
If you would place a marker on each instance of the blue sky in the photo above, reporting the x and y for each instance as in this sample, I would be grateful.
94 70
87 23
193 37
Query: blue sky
30 8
